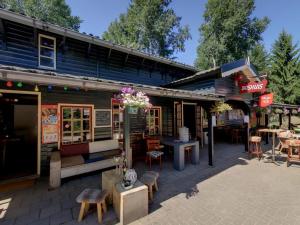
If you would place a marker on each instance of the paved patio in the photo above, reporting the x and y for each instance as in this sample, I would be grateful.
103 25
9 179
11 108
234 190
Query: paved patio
235 191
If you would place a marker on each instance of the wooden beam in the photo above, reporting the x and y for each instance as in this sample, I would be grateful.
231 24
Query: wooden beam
127 148
3 31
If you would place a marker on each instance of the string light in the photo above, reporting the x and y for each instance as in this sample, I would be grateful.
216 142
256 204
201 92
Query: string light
19 84
36 88
9 84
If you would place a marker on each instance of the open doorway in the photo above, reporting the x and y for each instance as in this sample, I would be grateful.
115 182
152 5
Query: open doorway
189 118
19 134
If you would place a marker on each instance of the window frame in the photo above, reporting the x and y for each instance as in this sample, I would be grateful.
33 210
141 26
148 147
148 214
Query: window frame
54 50
91 120
159 108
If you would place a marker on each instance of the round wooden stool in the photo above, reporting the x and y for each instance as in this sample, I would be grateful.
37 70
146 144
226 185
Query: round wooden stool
149 181
92 196
255 148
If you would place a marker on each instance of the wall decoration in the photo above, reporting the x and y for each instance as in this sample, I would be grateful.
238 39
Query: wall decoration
103 118
50 124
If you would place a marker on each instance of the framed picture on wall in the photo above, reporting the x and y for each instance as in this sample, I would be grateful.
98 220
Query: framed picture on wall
102 118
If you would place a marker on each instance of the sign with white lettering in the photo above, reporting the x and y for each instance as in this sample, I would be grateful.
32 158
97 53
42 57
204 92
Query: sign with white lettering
253 87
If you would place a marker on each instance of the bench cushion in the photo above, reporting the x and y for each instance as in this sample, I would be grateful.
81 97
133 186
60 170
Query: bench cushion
100 146
71 161
74 149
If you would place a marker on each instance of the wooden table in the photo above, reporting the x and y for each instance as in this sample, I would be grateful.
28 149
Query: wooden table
131 204
273 132
179 155
109 179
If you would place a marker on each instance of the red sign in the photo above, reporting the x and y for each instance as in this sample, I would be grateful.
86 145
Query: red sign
265 100
253 87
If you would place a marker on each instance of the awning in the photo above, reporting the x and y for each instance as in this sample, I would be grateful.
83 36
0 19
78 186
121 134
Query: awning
42 77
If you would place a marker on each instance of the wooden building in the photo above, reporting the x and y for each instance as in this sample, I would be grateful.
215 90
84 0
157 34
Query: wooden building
57 85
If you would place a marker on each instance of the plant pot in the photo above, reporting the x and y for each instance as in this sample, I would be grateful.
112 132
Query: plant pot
133 110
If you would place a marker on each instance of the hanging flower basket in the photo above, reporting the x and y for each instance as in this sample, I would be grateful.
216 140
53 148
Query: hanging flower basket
220 107
134 100
133 110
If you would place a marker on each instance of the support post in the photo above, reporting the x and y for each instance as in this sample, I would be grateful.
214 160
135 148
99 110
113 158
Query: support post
211 120
267 124
128 150
247 133
290 125
280 120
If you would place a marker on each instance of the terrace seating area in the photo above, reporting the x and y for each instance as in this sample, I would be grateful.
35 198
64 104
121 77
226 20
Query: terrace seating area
188 196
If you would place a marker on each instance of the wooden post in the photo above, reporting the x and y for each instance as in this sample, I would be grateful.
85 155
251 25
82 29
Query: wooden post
280 120
127 147
246 123
211 139
290 125
267 123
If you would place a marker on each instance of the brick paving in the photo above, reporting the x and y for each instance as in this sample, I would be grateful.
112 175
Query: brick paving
236 191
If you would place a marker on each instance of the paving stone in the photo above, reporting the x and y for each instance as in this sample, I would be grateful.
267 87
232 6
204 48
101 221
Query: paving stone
28 218
45 221
61 217
50 210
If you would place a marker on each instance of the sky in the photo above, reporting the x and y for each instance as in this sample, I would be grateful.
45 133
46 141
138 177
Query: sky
98 14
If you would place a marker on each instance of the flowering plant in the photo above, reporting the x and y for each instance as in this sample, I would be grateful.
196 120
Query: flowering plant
130 97
220 107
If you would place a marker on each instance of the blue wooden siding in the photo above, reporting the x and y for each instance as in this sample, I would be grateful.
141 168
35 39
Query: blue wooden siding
19 47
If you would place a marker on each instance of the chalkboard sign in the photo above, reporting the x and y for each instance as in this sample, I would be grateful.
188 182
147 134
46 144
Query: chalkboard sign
137 122
103 118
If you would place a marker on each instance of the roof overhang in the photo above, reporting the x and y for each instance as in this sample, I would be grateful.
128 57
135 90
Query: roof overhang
242 66
65 32
45 78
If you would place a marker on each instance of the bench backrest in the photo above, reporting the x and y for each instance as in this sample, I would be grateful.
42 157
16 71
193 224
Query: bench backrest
100 146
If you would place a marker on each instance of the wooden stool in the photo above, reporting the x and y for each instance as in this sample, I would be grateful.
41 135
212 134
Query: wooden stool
255 148
155 175
92 196
293 144
149 181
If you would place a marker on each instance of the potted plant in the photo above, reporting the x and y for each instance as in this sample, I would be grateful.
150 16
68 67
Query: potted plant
134 100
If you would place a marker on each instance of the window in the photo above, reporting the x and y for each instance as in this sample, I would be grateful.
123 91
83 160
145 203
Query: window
47 52
117 118
154 121
76 124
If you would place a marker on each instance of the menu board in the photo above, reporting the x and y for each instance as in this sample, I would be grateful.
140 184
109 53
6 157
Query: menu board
50 124
103 118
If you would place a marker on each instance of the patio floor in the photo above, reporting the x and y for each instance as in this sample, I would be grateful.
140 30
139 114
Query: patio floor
235 191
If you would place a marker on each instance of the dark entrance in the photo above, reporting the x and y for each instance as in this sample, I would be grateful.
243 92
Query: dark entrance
18 135
189 118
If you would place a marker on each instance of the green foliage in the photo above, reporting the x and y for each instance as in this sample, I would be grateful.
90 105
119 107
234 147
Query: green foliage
52 11
150 26
229 32
285 70
259 58
220 107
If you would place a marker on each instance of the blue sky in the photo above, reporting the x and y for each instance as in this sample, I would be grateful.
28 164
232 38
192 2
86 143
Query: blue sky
97 15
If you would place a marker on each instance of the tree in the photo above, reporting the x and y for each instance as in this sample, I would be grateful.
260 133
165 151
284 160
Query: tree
259 58
284 70
229 32
151 26
52 11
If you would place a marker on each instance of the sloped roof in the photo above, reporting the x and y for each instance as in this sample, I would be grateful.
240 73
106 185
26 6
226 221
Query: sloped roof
242 65
53 28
